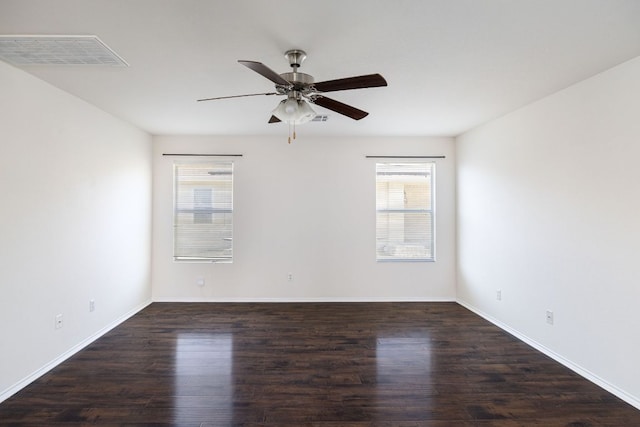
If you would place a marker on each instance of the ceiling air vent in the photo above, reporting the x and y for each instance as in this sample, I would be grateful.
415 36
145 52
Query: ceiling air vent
57 50
320 118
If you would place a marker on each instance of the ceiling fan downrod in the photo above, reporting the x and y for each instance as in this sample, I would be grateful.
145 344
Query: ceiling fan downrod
301 83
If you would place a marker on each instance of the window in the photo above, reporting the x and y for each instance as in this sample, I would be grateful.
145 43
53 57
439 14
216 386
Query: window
203 212
404 212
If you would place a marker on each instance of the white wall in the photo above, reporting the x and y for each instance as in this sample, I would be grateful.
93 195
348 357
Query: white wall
308 209
75 224
549 212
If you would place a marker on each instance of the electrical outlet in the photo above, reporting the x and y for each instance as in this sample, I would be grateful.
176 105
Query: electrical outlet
550 317
92 305
59 321
499 295
290 276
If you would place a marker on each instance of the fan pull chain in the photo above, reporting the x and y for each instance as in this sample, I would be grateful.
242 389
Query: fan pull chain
294 132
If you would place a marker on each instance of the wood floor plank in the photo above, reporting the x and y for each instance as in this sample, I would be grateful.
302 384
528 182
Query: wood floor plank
312 364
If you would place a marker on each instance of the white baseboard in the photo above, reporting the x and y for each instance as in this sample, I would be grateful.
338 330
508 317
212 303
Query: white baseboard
303 299
5 394
630 399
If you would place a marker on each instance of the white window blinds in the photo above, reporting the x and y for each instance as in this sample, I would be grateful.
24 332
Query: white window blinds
404 211
203 212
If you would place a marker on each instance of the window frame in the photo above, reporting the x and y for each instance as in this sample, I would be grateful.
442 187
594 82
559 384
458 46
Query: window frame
430 211
195 209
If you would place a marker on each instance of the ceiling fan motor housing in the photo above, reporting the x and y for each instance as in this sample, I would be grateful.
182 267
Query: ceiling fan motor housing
299 81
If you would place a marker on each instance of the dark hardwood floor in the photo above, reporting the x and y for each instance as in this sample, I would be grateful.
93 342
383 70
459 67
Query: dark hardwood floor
312 364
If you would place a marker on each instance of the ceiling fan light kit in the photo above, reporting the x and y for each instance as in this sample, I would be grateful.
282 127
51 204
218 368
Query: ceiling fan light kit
301 90
294 111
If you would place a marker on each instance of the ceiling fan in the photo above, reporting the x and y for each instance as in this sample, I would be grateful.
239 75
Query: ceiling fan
300 90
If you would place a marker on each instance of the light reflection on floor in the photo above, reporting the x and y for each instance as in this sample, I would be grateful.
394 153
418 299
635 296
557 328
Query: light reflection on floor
203 380
404 367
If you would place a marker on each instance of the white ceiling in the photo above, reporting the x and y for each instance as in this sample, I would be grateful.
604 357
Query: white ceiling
450 64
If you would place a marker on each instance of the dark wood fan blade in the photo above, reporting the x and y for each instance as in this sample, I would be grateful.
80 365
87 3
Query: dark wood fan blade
274 119
341 108
237 96
359 82
265 71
